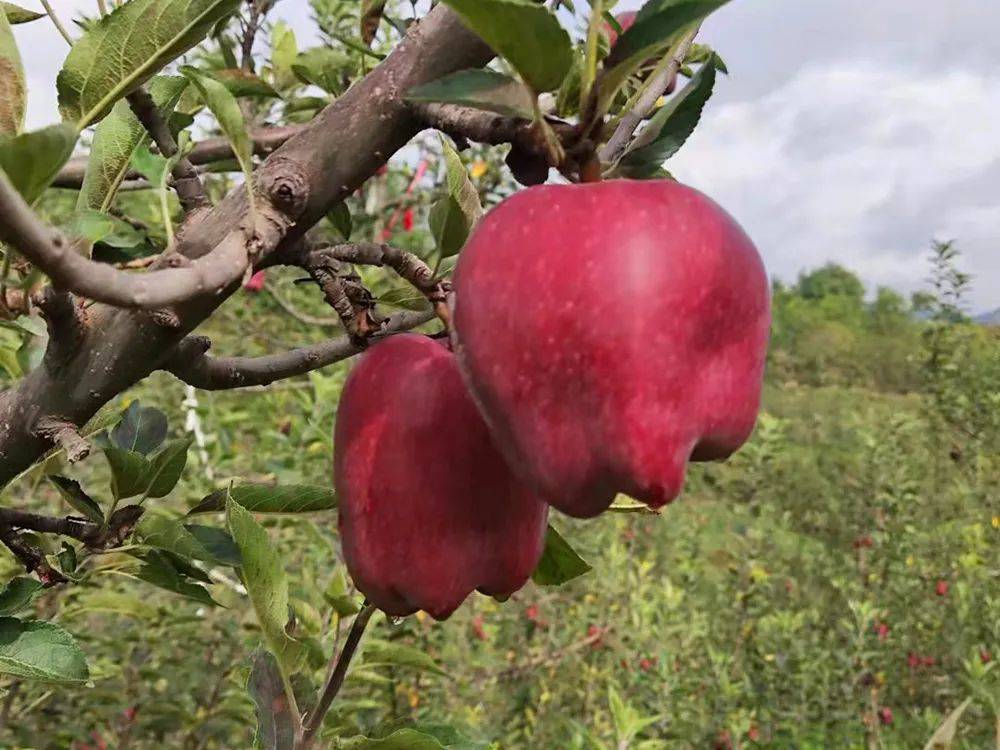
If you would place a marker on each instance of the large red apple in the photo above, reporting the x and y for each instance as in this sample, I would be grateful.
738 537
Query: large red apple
428 509
609 332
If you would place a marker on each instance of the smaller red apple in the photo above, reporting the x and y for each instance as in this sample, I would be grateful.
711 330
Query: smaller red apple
885 715
941 589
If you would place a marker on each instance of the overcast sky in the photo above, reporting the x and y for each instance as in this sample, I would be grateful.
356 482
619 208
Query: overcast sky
848 130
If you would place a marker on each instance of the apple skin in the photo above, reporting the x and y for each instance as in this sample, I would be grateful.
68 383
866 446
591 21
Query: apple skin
625 20
609 332
428 510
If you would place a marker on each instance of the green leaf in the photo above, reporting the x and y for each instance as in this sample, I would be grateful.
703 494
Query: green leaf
127 47
230 118
284 51
160 573
323 67
340 217
141 429
217 543
944 735
371 15
115 142
32 160
16 14
479 88
167 466
129 472
336 596
560 562
656 26
93 227
266 583
275 722
243 83
171 535
266 498
41 651
113 602
13 88
396 654
18 594
453 217
671 126
525 34
77 499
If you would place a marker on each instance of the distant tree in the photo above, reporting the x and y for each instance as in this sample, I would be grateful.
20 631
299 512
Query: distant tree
832 280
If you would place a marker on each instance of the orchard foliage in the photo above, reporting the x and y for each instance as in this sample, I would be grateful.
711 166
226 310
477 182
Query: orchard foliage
831 585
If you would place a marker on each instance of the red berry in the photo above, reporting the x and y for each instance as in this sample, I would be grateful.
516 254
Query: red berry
531 613
941 589
882 629
885 715
753 733
912 660
929 661
408 219
478 629
985 656
256 282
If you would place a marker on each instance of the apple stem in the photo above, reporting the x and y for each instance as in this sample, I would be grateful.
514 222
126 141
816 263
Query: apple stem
335 679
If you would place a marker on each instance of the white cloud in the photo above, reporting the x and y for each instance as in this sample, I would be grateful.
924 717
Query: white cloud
858 164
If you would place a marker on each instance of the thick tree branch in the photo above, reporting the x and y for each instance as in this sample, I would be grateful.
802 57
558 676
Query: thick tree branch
194 366
208 151
54 255
329 158
663 80
187 183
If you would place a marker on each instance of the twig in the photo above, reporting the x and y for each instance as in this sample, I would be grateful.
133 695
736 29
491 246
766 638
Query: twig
31 557
54 256
57 23
71 527
407 265
204 152
192 365
63 434
335 679
660 81
187 183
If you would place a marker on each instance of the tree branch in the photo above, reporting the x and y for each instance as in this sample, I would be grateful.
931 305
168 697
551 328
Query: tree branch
325 162
191 364
71 527
487 127
30 556
407 265
662 81
187 183
53 254
204 152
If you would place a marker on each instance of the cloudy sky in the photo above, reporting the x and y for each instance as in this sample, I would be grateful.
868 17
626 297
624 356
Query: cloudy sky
848 130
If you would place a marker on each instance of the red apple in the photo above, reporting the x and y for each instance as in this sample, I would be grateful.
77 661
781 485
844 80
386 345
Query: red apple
429 511
625 20
609 332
